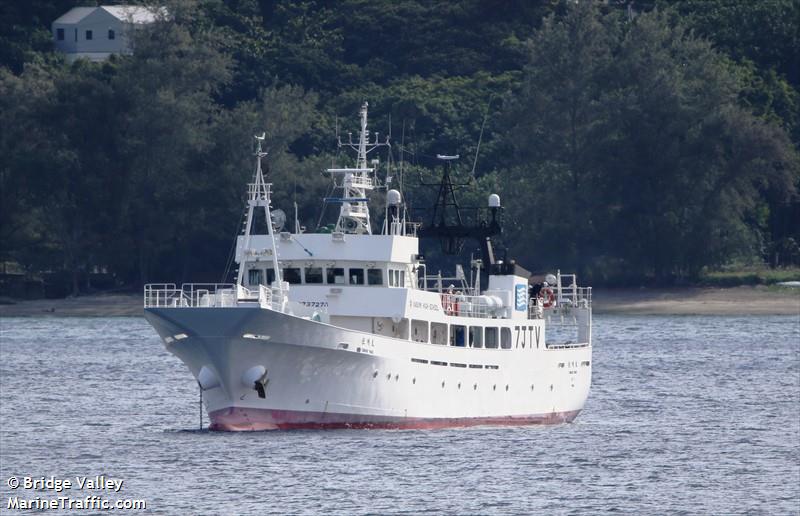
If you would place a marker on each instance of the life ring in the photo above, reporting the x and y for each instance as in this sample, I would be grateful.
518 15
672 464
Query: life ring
547 297
447 303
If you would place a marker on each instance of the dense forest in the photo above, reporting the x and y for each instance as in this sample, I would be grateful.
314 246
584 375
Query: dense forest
633 141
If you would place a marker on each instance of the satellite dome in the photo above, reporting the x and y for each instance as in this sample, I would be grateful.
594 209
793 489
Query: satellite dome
494 201
393 198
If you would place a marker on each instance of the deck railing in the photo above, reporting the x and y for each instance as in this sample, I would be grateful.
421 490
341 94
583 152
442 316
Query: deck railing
189 295
210 295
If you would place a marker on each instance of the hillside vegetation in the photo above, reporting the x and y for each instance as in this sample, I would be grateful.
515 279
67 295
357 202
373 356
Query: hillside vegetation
635 145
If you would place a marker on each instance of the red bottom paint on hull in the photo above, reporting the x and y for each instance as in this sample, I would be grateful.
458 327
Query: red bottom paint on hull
237 419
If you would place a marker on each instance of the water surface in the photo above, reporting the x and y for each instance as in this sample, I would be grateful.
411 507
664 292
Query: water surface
686 415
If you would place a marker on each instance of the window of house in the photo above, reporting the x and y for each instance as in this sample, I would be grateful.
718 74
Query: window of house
111 34
60 34
356 276
88 35
335 275
292 275
254 277
313 275
375 276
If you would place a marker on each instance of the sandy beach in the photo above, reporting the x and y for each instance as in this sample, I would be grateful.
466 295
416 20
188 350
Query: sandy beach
747 300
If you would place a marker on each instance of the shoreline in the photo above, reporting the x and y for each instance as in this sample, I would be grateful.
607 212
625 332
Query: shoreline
743 300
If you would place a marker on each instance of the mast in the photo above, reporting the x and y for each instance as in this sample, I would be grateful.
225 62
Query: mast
356 183
258 195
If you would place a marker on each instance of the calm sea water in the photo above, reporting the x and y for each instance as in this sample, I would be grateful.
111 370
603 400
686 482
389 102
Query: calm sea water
686 415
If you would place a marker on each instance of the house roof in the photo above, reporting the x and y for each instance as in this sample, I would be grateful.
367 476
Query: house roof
126 13
131 13
75 15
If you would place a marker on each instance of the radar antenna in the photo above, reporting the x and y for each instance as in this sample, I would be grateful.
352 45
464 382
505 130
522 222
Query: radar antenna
356 183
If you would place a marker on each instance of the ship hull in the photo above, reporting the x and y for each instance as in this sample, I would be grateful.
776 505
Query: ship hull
317 375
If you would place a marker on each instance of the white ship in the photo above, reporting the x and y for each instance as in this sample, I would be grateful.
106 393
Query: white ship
348 329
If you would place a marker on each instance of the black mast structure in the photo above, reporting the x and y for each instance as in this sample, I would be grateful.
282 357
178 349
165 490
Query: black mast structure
451 229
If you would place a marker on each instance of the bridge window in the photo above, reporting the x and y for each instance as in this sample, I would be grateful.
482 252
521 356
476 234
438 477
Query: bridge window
356 276
254 277
270 276
292 275
491 338
375 276
313 275
505 338
335 276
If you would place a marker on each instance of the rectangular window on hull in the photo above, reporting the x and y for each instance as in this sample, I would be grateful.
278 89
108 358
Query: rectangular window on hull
313 275
356 276
335 276
475 337
375 276
438 333
458 336
505 338
292 275
491 338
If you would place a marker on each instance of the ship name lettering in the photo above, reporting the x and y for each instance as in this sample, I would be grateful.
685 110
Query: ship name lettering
425 306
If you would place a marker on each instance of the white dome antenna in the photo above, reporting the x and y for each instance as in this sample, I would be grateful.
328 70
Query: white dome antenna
393 198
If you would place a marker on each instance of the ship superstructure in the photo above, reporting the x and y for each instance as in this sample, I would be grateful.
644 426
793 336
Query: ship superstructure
346 328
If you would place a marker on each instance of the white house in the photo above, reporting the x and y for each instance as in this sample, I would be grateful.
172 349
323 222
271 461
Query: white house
96 32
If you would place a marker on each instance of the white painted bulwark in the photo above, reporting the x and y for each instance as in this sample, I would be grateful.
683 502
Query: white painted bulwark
95 33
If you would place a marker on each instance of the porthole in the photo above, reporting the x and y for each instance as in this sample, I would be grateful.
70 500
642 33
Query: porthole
442 384
459 385
494 387
414 381
506 387
531 387
396 377
475 387
375 374
307 400
389 376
